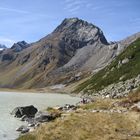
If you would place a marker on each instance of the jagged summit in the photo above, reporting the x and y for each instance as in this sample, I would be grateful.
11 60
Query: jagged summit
70 21
19 46
81 30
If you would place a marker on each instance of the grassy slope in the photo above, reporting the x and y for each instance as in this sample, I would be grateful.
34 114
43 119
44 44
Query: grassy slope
111 74
97 126
85 125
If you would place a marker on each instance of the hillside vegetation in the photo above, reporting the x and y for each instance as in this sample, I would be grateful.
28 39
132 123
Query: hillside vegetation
124 67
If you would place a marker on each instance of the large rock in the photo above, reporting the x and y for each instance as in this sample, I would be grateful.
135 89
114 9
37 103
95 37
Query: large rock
22 129
43 117
29 111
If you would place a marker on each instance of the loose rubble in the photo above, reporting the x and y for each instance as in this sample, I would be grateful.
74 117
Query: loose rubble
119 90
110 111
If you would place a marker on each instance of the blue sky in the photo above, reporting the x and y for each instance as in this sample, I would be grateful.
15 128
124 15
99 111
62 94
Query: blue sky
31 20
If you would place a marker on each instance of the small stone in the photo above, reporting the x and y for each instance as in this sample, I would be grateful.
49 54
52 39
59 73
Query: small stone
20 128
25 130
31 125
124 61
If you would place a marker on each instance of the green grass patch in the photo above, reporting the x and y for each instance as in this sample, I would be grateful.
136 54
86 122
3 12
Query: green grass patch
112 73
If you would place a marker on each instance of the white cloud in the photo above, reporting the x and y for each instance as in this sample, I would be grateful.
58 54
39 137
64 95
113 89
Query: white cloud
6 41
74 10
24 12
13 10
73 6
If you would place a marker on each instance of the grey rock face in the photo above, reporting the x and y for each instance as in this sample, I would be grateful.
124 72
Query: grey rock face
43 117
81 31
97 54
7 57
75 34
19 46
126 42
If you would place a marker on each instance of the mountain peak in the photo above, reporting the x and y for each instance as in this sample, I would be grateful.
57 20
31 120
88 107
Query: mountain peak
68 22
75 20
80 30
71 19
19 46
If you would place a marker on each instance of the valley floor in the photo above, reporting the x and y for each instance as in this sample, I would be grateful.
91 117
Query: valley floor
103 119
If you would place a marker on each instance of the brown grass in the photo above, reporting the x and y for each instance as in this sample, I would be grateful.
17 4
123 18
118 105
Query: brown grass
86 125
99 104
132 98
90 126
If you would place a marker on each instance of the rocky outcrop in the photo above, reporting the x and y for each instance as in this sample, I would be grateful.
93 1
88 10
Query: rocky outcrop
120 89
28 111
43 117
19 46
126 42
33 119
9 55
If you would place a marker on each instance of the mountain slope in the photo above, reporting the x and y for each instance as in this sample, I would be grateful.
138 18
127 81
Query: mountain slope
74 50
124 67
39 64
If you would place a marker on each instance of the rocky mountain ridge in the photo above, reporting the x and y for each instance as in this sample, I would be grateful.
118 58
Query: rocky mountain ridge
74 50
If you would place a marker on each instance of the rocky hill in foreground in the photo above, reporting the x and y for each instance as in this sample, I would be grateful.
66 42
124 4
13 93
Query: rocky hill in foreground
74 50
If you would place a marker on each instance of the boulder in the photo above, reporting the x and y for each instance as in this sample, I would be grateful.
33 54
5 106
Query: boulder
31 124
22 127
29 111
25 130
124 61
68 107
43 117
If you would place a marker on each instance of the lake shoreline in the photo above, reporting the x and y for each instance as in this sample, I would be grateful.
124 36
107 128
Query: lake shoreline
38 90
10 100
43 91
